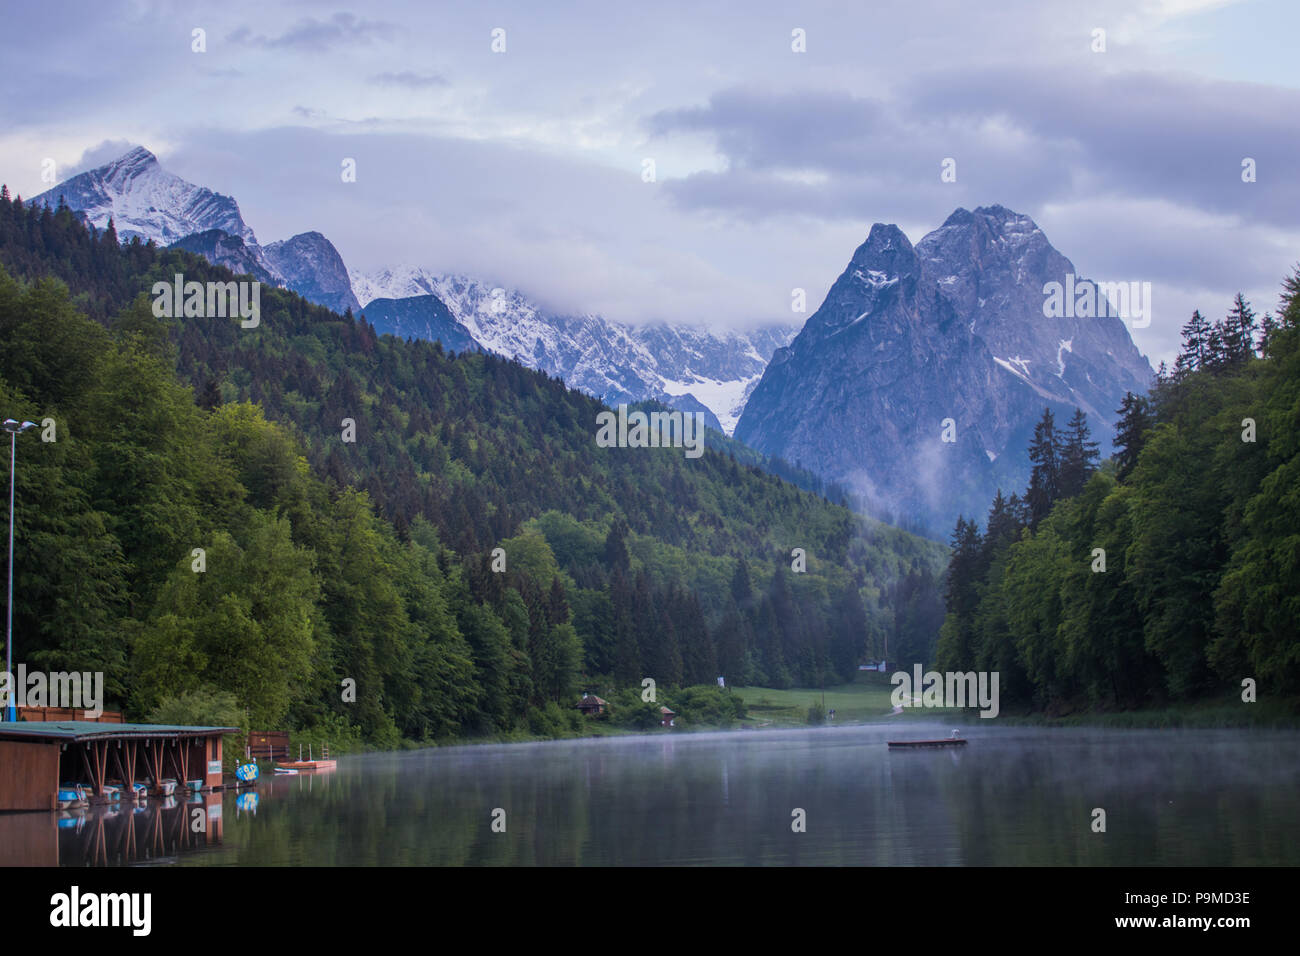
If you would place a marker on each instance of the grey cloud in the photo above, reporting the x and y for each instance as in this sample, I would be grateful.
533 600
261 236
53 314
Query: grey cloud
312 34
1025 140
412 81
1145 135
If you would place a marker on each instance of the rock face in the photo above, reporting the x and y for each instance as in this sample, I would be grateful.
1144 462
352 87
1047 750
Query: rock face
952 328
223 249
689 368
313 268
420 317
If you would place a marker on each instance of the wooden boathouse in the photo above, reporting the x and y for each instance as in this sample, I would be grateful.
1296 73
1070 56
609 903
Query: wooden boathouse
37 756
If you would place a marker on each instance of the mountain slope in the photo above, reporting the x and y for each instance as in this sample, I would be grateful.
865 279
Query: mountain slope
419 317
952 328
222 249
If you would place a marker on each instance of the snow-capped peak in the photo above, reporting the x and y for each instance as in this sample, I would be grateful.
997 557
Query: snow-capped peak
145 200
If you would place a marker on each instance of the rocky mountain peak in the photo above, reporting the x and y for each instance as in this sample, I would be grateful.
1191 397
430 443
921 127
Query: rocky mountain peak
908 337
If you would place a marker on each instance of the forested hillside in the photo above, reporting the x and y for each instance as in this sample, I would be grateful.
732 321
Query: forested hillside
324 559
1173 572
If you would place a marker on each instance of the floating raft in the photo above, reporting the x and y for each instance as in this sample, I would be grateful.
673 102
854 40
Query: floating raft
307 765
947 742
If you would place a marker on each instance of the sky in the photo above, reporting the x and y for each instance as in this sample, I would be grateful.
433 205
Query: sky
528 166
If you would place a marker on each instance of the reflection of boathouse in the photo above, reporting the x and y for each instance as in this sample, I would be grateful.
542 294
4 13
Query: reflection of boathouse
153 830
37 757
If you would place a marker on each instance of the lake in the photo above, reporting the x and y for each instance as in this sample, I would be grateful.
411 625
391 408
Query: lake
1014 795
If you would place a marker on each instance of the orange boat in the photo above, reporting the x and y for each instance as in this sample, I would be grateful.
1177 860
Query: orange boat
301 765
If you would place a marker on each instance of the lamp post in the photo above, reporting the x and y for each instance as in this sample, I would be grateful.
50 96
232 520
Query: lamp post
13 428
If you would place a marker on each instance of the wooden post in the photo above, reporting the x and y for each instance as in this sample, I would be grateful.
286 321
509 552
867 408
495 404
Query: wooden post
127 782
90 771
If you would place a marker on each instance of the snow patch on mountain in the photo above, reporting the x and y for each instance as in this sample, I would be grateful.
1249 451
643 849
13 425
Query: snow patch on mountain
613 361
1067 345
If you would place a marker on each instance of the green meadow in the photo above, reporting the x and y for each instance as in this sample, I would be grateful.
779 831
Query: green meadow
866 699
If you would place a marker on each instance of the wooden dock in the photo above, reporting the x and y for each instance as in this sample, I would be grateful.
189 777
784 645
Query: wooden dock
306 765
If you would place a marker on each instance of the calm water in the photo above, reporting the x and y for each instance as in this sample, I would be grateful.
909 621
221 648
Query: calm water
1013 796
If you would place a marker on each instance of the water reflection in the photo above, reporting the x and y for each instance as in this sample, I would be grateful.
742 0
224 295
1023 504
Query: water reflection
125 832
1012 796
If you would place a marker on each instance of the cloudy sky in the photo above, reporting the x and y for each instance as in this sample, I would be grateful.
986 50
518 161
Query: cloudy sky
527 167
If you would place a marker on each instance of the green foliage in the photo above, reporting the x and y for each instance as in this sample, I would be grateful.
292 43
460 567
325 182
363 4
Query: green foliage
552 720
1197 520
707 705
205 706
629 711
331 733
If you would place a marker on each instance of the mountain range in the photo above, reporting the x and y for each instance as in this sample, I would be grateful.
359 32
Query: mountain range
681 366
916 385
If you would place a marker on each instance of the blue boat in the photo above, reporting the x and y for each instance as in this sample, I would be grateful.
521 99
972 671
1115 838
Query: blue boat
71 795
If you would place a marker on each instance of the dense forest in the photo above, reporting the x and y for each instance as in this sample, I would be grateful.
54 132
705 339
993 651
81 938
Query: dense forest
298 522
1171 572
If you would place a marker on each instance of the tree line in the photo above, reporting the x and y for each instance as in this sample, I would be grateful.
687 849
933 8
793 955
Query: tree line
1167 573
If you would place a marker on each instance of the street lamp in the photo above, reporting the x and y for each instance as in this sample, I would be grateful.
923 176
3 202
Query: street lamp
13 428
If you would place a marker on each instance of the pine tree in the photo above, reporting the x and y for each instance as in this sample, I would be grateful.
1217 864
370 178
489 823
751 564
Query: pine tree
1196 337
1216 348
1239 330
1080 456
1045 479
1290 295
616 556
1004 523
961 598
1135 419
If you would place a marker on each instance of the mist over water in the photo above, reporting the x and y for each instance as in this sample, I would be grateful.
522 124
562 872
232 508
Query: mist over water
1012 796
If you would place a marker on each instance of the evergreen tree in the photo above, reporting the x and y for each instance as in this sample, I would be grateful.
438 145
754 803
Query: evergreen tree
1196 338
1079 456
1135 420
1239 330
1045 478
